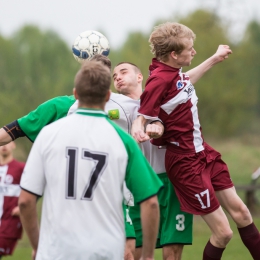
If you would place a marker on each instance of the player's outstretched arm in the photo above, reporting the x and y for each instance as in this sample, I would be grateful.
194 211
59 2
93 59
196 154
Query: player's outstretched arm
5 138
28 214
221 54
150 217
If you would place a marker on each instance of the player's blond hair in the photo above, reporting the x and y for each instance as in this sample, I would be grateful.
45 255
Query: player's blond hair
168 37
92 83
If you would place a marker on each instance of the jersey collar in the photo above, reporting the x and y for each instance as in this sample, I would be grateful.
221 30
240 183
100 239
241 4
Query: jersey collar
91 112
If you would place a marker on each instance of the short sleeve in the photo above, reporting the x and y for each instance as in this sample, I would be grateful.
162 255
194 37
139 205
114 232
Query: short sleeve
33 177
152 97
44 114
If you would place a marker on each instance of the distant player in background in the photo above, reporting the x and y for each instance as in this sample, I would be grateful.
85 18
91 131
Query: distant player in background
10 175
79 163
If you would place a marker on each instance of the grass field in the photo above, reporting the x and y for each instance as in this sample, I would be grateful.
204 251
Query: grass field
242 157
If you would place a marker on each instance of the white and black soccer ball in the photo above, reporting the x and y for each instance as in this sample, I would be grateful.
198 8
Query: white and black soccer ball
88 44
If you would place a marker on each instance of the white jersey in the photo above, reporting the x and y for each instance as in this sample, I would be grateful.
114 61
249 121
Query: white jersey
81 171
127 112
120 108
123 111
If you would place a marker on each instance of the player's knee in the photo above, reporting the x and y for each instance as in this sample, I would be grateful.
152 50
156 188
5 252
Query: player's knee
228 235
242 216
224 237
245 213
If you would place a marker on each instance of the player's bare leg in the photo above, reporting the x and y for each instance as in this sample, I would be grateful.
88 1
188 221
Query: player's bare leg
221 234
129 249
230 201
240 214
220 228
172 252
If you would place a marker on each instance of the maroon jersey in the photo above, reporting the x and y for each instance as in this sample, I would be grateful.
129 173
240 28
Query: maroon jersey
170 96
10 175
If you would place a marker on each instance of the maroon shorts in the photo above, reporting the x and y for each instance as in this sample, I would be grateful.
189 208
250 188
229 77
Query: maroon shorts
196 177
7 245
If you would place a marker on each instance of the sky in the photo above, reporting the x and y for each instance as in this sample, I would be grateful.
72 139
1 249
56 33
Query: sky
115 18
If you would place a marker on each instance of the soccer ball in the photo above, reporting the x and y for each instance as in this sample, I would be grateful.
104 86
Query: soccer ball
89 43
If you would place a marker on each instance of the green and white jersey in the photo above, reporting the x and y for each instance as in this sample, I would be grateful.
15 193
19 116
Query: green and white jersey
120 108
123 111
80 163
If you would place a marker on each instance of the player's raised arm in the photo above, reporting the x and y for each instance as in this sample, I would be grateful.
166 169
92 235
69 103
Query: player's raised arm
221 54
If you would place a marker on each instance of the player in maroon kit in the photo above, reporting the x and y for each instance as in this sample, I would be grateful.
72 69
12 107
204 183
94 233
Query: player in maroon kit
201 179
10 175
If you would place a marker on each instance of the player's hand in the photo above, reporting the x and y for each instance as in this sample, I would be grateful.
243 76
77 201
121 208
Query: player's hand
155 130
139 135
223 52
137 130
15 212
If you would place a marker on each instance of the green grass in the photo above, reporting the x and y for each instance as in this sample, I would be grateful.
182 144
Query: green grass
242 157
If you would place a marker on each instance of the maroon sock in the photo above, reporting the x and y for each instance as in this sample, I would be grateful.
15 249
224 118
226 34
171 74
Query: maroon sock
251 239
212 253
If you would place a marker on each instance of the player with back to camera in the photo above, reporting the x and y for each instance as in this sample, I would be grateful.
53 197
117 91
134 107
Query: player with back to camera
81 175
175 225
31 124
201 179
10 175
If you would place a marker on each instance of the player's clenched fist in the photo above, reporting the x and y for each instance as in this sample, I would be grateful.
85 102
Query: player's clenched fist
223 51
155 130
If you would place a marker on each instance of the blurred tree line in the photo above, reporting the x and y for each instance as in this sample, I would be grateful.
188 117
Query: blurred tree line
38 65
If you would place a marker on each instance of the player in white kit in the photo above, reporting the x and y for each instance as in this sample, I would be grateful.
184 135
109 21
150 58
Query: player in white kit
80 163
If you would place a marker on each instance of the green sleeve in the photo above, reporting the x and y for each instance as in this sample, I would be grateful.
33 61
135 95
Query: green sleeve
44 114
140 178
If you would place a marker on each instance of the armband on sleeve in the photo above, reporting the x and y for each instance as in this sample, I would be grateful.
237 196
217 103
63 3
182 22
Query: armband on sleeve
14 130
